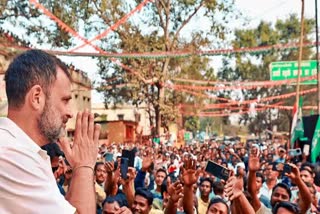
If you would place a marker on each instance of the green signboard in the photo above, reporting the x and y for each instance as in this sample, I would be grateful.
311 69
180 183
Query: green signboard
187 136
289 70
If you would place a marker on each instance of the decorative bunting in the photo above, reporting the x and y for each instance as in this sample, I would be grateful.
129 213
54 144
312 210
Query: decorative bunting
152 55
115 26
241 85
258 83
68 29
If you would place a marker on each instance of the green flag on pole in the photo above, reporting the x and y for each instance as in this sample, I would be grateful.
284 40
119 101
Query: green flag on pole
297 130
315 147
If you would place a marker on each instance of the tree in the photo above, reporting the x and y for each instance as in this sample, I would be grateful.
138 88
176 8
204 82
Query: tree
166 21
161 26
37 27
192 124
255 66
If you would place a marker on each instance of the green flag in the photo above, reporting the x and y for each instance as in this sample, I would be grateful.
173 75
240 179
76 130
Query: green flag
297 130
315 147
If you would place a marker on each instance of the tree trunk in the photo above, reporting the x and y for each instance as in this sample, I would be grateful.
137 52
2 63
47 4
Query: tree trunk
158 109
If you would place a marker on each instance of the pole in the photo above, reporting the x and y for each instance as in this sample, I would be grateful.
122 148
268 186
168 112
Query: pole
300 52
317 55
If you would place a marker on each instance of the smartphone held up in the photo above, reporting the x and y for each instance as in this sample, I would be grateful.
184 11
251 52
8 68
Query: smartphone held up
217 170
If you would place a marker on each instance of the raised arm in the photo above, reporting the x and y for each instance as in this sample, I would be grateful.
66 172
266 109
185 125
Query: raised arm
306 197
82 157
108 182
128 185
239 202
189 178
254 166
146 164
175 192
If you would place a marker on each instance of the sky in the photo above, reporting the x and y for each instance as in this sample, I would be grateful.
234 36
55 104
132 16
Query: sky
254 10
271 10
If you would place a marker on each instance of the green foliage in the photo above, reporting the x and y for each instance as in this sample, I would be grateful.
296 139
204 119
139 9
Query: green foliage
159 26
255 67
165 21
192 124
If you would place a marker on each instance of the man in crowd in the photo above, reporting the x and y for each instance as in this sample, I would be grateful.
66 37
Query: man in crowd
262 198
218 189
286 207
282 155
38 88
205 190
100 173
115 205
161 174
142 201
270 182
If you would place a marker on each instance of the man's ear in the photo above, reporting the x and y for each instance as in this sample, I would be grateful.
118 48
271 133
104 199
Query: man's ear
36 97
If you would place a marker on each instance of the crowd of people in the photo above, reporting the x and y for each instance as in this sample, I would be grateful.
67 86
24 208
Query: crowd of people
42 172
167 179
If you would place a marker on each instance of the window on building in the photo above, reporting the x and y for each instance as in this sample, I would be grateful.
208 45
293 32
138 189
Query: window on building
120 116
137 117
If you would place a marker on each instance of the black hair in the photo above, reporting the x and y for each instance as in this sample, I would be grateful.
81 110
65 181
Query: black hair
33 67
287 205
120 198
307 164
308 169
218 188
164 186
208 180
284 186
53 150
96 166
162 170
218 200
135 150
145 193
260 175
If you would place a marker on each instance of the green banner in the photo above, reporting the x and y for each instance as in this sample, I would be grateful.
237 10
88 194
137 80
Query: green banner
315 147
289 70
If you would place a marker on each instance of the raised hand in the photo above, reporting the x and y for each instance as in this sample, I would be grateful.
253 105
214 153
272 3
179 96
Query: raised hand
86 141
294 175
114 183
233 188
175 190
254 160
146 162
189 173
109 167
123 210
130 176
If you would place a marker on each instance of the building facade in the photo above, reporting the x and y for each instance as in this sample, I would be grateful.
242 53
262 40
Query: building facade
124 124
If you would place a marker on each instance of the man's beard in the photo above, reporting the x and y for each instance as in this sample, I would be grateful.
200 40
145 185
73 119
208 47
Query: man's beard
50 126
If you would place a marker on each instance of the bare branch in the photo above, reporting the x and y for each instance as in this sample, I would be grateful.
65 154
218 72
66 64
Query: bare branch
159 12
186 22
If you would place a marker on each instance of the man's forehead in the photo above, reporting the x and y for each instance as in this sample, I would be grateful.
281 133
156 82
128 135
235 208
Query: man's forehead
140 198
281 190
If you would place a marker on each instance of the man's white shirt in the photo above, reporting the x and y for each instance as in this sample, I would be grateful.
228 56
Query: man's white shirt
27 184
